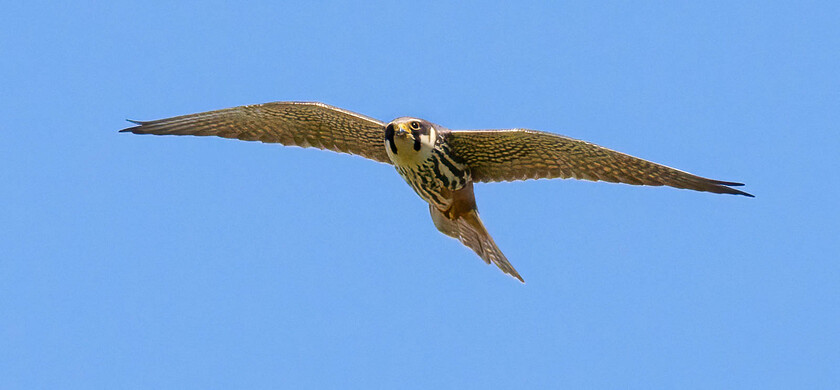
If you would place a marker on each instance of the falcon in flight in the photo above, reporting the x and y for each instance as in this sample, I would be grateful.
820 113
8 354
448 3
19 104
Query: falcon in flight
441 165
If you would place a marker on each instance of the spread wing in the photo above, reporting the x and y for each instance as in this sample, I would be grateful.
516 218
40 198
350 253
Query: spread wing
289 123
520 154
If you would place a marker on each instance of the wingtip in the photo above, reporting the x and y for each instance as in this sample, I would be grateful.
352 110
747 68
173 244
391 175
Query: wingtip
739 192
729 183
729 190
131 129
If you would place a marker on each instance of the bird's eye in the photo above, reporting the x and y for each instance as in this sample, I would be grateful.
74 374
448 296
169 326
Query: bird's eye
415 125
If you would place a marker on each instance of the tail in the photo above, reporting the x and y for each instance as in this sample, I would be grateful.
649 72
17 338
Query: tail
468 228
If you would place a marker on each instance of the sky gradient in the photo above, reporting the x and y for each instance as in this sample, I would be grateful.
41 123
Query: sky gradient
183 262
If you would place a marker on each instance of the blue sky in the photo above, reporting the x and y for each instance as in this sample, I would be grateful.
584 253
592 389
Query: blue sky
179 262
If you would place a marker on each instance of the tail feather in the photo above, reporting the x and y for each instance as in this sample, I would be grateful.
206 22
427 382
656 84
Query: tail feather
468 229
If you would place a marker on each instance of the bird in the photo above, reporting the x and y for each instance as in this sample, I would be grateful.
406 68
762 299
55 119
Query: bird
439 164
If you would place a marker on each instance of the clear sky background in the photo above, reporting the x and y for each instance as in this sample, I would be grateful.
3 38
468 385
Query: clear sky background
195 263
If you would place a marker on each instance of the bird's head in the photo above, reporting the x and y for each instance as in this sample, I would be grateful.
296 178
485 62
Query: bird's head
410 139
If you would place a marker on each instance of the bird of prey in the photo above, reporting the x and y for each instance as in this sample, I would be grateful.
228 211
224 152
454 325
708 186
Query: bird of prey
441 165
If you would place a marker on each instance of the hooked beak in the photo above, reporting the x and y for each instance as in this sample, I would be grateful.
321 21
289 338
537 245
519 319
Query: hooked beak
402 130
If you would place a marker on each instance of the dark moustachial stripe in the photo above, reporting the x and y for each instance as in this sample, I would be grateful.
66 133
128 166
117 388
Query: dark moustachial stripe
389 136
416 135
